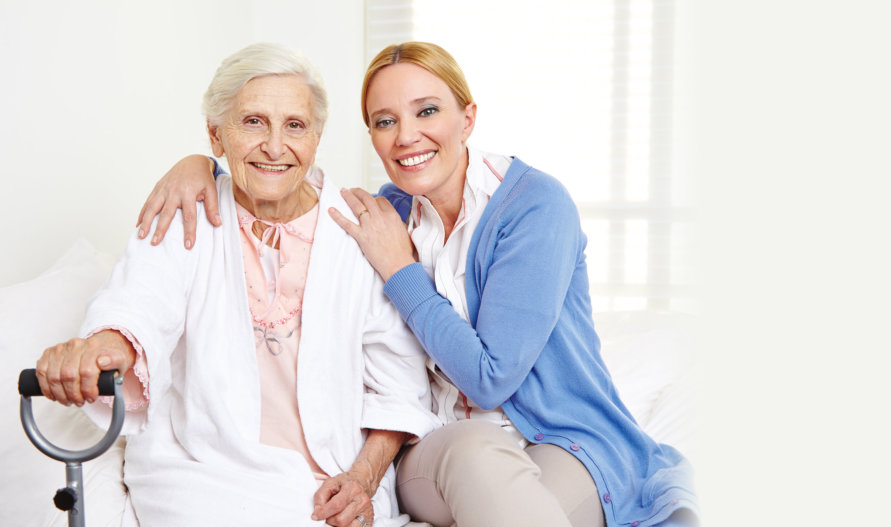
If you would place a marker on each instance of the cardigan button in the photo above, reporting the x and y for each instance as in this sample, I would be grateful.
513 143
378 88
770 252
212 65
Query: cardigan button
606 498
635 524
673 502
574 447
539 436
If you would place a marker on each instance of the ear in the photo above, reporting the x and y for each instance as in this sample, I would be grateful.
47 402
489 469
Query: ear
216 142
469 121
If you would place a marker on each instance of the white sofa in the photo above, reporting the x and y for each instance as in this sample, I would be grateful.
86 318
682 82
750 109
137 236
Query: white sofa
649 355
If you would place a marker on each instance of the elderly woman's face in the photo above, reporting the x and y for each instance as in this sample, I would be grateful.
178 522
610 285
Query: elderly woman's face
268 137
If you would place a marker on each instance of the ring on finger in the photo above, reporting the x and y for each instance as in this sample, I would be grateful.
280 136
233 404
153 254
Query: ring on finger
359 516
359 216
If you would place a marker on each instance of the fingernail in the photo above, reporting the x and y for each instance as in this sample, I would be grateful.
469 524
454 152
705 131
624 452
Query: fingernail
141 233
188 244
217 219
155 240
103 361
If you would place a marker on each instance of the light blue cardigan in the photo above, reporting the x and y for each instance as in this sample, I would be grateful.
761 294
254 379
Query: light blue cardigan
531 346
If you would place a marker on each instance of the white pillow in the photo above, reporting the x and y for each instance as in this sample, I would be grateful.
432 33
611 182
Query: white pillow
650 356
33 316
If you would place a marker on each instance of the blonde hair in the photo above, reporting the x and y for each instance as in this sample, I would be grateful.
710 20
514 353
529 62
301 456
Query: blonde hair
426 55
259 60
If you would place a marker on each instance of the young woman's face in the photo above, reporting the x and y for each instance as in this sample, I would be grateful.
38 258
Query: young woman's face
419 130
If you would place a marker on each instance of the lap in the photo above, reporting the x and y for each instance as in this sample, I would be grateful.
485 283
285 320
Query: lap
480 458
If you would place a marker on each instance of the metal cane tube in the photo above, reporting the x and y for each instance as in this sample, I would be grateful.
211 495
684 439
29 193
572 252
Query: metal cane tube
74 474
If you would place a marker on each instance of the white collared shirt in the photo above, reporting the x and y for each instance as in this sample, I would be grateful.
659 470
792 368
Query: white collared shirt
446 263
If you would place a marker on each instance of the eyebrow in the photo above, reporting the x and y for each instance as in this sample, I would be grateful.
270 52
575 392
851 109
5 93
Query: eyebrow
246 112
417 102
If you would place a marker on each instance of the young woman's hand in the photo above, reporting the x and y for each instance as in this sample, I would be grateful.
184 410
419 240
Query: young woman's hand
380 232
188 181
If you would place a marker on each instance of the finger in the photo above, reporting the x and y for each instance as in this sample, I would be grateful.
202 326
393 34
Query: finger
335 506
139 218
329 488
353 200
70 371
41 372
212 206
89 377
164 219
150 208
53 374
351 228
360 504
323 496
368 200
190 221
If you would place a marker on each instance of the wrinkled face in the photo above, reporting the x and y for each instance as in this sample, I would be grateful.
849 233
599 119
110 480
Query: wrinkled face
419 130
268 137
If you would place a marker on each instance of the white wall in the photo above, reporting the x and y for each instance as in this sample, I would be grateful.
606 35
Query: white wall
784 117
100 98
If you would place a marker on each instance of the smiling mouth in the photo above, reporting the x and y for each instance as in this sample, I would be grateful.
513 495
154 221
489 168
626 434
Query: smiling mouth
271 168
416 160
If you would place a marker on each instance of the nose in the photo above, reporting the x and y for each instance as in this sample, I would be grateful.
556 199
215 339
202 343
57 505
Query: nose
408 133
273 146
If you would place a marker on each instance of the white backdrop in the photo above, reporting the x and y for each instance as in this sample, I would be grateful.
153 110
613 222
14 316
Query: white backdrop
99 98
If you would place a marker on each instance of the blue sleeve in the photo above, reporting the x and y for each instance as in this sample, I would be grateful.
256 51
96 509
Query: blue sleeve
217 169
524 277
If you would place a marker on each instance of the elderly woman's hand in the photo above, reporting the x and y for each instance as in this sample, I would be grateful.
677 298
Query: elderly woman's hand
345 501
380 233
188 181
69 372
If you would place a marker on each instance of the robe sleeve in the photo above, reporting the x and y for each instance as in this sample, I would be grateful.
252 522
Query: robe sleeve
146 294
397 391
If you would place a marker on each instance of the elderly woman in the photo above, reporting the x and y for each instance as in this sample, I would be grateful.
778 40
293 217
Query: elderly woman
491 277
266 368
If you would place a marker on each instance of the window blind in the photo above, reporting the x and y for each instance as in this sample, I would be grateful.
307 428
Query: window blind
583 91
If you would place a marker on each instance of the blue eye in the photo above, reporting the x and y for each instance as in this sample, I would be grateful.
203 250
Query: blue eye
384 123
427 112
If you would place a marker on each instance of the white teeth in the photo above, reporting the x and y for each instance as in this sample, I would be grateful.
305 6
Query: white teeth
271 168
412 161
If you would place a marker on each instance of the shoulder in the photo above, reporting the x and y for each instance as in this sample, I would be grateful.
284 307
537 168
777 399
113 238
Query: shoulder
400 200
527 187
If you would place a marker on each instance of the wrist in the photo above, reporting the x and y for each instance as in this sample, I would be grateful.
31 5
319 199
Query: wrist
395 268
364 475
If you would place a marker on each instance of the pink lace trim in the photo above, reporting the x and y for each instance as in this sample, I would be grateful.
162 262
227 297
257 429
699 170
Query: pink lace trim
133 400
274 323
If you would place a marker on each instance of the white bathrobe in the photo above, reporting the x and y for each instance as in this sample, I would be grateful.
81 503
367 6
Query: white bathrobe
194 457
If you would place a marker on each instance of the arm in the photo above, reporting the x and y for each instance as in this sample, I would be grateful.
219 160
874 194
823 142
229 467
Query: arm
191 179
341 498
521 296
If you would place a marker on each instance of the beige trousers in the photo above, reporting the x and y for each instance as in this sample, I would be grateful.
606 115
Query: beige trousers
473 473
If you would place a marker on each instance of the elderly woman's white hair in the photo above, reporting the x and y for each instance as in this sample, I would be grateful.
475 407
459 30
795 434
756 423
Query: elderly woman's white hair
258 60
